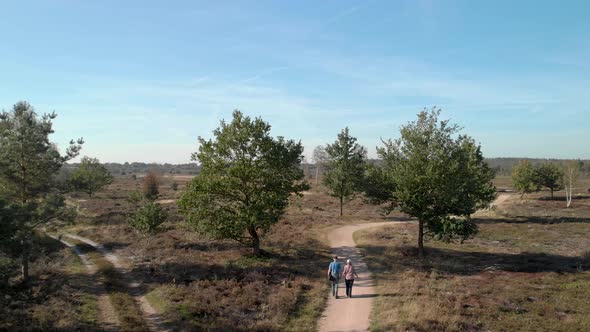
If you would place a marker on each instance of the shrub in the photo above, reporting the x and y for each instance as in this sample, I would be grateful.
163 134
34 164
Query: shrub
151 186
148 218
174 186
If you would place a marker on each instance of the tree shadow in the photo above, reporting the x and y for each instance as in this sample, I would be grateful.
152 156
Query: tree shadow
518 219
114 245
471 263
563 198
208 246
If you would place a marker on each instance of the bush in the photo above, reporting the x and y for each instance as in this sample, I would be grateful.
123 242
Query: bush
174 186
148 218
151 186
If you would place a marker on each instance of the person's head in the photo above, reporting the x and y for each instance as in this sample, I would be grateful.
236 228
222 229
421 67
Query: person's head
348 262
335 258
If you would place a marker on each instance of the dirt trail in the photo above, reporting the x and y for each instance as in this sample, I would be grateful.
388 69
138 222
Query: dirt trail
352 314
152 317
107 316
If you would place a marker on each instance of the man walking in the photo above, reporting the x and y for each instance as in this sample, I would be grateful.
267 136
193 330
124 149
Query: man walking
334 275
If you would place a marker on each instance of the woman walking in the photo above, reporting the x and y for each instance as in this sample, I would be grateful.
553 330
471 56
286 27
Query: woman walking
349 273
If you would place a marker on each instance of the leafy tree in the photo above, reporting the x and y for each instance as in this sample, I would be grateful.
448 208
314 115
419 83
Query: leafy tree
320 158
345 167
436 176
148 218
245 181
90 176
151 185
29 164
524 178
550 176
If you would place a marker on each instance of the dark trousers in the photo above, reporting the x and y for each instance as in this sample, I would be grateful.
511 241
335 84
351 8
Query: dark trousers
349 287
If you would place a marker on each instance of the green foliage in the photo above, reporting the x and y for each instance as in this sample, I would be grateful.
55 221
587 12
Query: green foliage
148 218
345 167
245 182
549 176
151 186
135 197
29 165
174 186
90 176
379 187
435 175
524 178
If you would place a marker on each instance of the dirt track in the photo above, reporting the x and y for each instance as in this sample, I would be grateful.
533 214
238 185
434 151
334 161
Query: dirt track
152 317
352 314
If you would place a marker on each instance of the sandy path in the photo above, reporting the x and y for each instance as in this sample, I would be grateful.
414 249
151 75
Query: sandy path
107 317
152 317
352 314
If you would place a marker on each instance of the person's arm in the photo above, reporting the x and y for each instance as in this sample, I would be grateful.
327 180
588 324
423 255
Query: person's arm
329 270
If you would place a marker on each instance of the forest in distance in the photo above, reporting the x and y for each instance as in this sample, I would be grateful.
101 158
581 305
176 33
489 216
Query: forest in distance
502 166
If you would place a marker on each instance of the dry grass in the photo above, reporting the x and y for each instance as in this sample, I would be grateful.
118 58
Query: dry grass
525 273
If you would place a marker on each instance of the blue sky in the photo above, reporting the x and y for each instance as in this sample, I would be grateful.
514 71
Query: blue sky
140 80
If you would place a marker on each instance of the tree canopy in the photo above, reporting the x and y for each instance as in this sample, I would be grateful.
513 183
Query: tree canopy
29 164
246 179
549 176
525 178
345 167
436 175
90 176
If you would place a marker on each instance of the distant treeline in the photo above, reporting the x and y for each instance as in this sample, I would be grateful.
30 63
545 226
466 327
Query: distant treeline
503 166
141 168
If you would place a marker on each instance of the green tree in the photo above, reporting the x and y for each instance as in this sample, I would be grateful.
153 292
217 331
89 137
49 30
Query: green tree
90 176
524 178
345 167
245 181
436 176
148 218
549 176
29 164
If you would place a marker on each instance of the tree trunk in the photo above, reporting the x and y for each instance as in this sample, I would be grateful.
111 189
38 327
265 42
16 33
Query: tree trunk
255 241
341 203
420 238
317 173
25 262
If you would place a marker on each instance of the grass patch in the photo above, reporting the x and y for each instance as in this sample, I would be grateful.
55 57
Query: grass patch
512 277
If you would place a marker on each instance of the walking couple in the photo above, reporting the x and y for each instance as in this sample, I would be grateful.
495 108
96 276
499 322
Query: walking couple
335 271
